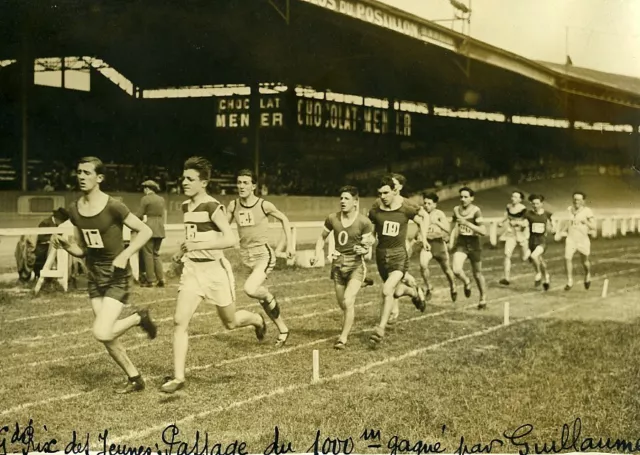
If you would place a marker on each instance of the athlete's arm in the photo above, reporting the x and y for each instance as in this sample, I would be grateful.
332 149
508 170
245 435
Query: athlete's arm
226 239
478 228
443 223
320 245
550 225
75 248
504 220
230 209
423 224
271 210
454 231
591 222
144 234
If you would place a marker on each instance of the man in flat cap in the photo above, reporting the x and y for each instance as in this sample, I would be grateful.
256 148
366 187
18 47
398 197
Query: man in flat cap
152 206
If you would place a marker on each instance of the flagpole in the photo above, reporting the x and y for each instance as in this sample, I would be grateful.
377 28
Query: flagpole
566 44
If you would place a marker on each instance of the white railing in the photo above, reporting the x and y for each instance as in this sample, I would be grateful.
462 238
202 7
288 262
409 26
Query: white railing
607 227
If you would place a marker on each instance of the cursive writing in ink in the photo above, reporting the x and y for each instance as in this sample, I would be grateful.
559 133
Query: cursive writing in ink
464 449
117 449
330 445
170 438
570 440
396 445
26 438
76 447
275 447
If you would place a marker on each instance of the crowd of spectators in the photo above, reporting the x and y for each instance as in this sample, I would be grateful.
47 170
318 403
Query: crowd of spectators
298 178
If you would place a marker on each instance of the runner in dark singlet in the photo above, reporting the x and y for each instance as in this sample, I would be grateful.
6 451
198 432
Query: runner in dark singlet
539 224
469 227
99 221
390 220
352 235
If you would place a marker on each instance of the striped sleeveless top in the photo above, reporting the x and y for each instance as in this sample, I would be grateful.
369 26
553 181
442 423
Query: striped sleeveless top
199 227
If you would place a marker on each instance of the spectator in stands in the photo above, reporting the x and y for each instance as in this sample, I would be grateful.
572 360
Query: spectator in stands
152 206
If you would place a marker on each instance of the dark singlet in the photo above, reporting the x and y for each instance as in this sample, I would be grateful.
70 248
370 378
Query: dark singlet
347 237
102 233
391 225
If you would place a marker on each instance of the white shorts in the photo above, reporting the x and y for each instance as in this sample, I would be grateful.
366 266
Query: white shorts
211 280
580 244
511 242
261 256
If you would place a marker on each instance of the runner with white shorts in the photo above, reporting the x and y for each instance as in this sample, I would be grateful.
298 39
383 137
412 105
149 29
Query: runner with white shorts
516 233
582 224
206 274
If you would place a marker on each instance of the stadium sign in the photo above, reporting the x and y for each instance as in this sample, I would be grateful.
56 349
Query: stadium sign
233 112
392 21
350 117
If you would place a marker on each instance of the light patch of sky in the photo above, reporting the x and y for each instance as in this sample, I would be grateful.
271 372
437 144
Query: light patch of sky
603 35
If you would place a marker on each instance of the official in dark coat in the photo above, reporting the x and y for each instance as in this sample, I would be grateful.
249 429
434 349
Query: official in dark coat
153 207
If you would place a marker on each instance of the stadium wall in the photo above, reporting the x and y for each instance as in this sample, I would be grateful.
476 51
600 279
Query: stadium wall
297 208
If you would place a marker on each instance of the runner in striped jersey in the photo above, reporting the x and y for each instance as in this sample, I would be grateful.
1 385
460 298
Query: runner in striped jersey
207 274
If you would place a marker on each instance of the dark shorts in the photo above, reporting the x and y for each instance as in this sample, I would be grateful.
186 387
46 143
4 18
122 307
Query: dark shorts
390 260
342 274
469 245
536 241
439 249
105 281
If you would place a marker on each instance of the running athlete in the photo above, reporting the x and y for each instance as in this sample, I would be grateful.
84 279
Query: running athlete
515 233
582 224
99 221
438 230
465 241
206 273
539 224
399 182
251 215
352 233
391 220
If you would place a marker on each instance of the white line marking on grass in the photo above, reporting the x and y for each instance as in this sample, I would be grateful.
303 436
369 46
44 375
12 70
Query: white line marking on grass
149 302
303 346
43 402
136 435
45 338
136 347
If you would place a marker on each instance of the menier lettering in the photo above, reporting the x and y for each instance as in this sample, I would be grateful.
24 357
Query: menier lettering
348 117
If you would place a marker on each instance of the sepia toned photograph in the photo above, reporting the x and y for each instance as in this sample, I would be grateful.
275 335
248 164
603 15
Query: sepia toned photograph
319 226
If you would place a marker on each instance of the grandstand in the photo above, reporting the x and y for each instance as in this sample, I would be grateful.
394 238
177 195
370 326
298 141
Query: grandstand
313 95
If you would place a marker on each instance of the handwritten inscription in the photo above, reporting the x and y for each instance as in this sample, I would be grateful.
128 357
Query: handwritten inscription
36 439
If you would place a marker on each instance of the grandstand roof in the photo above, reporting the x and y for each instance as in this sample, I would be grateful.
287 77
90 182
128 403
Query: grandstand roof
371 49
618 81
